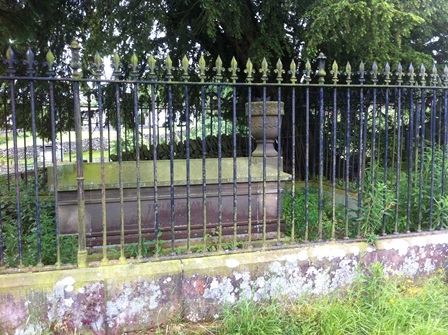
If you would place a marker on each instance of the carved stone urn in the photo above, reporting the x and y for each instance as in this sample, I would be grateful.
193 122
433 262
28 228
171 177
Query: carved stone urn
272 125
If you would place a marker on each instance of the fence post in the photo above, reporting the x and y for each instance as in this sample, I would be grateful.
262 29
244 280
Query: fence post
75 65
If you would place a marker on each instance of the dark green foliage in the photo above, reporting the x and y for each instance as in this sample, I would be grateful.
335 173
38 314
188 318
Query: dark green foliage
383 209
180 148
380 198
68 244
300 214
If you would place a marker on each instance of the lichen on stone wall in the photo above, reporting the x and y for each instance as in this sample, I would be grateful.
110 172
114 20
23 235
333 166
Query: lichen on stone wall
132 303
115 299
291 277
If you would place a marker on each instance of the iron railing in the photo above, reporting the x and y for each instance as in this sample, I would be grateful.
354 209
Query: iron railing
165 160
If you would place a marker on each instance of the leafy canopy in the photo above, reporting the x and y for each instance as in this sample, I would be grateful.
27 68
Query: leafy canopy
345 30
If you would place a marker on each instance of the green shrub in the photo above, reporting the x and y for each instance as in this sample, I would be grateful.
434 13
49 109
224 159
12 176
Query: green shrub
380 198
29 235
300 214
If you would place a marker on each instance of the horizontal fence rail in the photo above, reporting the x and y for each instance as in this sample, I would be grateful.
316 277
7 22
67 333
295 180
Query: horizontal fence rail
170 161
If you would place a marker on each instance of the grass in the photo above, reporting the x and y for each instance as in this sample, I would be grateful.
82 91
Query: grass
375 304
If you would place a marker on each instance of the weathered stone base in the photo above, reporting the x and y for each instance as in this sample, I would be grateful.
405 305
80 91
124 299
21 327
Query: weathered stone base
117 298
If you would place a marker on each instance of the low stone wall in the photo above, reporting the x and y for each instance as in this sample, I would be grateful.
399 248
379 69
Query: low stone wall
118 298
66 148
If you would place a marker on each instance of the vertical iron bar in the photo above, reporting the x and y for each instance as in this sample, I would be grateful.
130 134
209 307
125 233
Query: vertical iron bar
422 159
410 158
51 73
360 157
433 148
372 165
347 161
171 128
25 156
60 138
445 139
89 120
394 138
7 142
70 145
43 147
149 126
219 169
398 170
142 122
16 174
204 170
321 157
108 136
307 165
264 167
439 128
122 258
36 173
335 120
137 167
105 259
279 161
154 157
235 175
417 130
249 168
188 177
386 152
293 162
82 251
7 178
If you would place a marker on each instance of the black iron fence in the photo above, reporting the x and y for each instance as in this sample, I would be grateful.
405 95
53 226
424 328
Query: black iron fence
166 162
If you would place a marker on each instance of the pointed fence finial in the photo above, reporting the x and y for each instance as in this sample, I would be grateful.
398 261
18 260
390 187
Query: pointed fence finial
279 70
169 68
264 70
249 71
375 73
445 76
202 68
50 63
185 68
307 72
399 74
218 68
434 75
152 67
387 73
411 75
97 65
422 75
335 72
362 73
348 73
11 61
134 66
30 63
116 65
293 71
233 70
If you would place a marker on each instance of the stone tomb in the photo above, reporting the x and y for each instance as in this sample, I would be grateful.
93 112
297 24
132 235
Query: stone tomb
116 212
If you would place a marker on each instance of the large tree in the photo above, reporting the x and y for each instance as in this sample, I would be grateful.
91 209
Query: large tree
345 30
